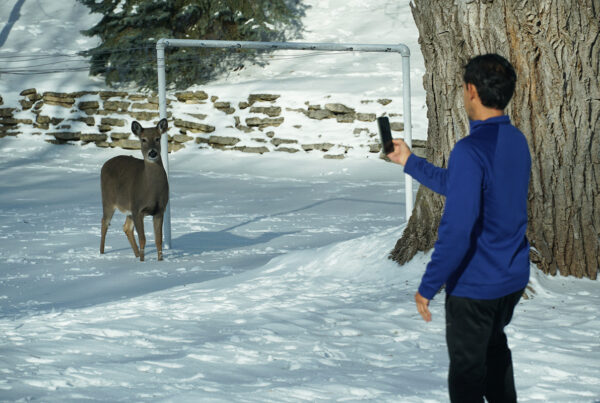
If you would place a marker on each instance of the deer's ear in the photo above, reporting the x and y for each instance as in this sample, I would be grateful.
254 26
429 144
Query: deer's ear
136 128
162 126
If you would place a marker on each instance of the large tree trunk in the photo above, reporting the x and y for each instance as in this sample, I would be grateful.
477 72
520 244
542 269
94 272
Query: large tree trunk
554 46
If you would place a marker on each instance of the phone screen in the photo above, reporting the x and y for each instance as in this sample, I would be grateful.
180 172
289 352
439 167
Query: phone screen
385 134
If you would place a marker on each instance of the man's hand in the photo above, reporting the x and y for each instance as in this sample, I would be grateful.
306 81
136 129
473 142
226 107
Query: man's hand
423 307
401 152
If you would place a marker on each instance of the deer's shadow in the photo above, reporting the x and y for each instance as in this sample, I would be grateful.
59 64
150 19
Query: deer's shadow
199 242
196 243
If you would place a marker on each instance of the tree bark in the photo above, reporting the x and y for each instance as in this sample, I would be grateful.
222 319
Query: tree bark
554 46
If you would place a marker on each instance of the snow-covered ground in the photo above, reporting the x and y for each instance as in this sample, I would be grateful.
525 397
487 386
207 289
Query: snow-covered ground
277 287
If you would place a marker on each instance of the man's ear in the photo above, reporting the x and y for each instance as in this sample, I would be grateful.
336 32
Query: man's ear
472 91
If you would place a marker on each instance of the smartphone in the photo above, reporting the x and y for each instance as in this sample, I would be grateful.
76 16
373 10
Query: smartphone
385 134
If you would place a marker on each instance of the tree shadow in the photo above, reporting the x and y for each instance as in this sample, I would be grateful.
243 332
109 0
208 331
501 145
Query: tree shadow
14 17
312 205
198 242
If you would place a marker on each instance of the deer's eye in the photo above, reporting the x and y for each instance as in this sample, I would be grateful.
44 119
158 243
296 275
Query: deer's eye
144 140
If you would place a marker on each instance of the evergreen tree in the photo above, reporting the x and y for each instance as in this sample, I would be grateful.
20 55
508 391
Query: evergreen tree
129 30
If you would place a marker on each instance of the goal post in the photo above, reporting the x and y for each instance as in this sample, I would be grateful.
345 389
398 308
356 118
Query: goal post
163 43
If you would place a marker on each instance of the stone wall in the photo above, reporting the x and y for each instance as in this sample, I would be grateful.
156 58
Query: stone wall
104 118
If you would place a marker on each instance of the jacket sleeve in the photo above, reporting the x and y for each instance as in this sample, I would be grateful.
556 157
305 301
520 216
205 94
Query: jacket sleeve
427 174
461 212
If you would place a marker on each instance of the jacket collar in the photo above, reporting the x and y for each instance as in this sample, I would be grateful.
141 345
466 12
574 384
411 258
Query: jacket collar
474 124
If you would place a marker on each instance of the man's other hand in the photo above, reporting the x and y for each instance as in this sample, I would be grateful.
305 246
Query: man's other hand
401 152
423 307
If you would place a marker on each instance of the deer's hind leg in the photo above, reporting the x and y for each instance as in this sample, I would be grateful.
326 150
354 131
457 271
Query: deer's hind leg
107 214
128 228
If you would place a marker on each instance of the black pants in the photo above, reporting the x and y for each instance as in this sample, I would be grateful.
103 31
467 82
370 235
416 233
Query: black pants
480 360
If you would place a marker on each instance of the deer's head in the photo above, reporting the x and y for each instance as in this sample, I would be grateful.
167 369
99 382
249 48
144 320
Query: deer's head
150 138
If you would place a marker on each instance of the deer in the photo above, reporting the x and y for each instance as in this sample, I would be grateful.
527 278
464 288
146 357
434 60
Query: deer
137 188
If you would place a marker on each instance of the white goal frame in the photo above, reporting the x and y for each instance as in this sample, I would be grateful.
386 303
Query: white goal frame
334 47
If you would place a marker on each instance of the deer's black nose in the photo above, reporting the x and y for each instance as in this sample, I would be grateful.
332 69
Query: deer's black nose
152 154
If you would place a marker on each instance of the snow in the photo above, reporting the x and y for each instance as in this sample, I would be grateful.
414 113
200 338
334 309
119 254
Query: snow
277 287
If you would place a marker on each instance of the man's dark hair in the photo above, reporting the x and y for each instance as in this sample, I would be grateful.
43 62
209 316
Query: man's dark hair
494 77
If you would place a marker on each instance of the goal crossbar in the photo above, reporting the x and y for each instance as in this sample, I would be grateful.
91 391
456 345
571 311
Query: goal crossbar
163 43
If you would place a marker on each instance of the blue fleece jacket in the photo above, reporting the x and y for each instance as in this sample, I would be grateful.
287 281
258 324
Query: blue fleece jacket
481 251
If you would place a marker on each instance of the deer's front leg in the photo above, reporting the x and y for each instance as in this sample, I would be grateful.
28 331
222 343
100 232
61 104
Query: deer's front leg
128 228
158 224
138 221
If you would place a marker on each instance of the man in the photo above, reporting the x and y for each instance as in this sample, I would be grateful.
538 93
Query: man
481 254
